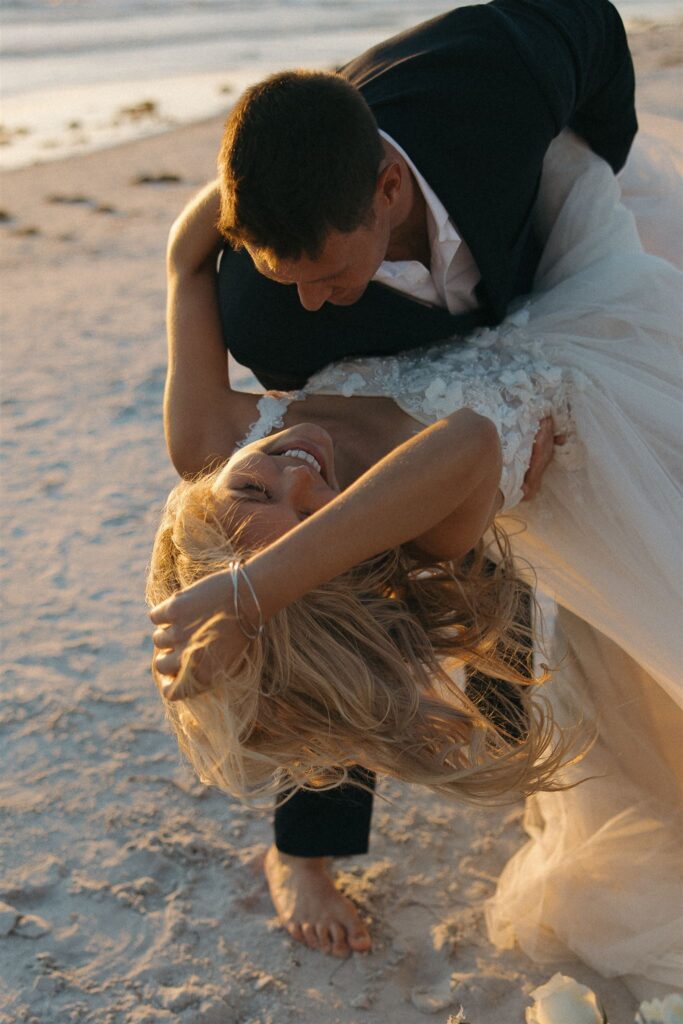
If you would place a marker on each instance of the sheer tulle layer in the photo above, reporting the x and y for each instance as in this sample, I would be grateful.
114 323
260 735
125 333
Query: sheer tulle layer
604 538
602 874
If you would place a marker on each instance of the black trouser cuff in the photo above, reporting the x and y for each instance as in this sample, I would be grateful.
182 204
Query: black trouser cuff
328 823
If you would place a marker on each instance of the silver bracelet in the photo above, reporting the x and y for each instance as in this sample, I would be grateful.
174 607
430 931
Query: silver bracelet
237 570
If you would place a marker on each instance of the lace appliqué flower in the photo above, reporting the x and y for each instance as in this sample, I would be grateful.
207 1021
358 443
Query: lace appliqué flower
500 373
271 412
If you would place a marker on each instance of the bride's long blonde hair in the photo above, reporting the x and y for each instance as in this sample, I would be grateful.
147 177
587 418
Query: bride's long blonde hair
357 672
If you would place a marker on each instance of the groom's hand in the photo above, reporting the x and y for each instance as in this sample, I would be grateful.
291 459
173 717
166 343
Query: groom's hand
541 457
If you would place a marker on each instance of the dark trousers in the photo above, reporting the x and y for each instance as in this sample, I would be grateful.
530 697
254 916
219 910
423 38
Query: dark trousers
336 822
332 823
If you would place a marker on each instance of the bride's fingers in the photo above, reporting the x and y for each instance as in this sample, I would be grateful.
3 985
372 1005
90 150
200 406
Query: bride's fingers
173 689
165 638
168 663
165 685
173 686
161 614
179 689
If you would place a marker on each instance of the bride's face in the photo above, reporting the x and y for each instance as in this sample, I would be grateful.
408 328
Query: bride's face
270 486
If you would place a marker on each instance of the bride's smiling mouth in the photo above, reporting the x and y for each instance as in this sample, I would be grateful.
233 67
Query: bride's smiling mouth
308 453
299 453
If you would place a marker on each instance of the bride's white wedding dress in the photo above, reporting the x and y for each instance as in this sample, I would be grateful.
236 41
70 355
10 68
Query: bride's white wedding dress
598 346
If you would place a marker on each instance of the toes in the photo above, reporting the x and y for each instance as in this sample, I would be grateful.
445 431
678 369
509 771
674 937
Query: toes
295 931
359 939
340 946
310 937
324 940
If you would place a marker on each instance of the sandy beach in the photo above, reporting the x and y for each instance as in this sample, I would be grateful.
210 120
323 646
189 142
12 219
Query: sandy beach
129 893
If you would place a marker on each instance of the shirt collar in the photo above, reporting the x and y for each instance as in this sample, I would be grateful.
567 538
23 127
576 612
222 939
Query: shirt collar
440 226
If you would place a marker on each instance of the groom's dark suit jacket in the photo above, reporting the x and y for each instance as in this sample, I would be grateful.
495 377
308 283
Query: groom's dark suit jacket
474 97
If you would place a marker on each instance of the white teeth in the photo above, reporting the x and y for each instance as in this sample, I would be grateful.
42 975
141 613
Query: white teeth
297 453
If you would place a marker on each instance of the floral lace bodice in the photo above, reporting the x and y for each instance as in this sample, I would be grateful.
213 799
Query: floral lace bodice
538 361
498 373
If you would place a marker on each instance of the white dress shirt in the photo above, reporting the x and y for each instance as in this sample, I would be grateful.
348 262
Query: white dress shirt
453 275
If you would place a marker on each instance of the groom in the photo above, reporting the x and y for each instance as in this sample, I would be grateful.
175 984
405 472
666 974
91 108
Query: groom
386 207
394 201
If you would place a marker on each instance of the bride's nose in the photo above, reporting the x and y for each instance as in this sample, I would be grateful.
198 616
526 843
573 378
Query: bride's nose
303 490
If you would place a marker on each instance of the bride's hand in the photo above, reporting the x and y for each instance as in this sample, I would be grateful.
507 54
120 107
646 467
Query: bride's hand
178 620
541 456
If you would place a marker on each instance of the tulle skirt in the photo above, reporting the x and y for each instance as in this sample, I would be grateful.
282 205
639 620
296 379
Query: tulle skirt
602 874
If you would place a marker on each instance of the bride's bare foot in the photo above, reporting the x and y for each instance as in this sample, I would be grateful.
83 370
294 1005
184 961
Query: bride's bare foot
310 907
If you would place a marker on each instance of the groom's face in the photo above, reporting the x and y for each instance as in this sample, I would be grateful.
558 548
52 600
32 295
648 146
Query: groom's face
348 260
342 271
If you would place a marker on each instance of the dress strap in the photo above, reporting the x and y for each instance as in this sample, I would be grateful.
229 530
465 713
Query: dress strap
271 412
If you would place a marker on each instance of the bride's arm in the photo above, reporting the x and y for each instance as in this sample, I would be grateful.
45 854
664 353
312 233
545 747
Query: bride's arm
203 417
439 490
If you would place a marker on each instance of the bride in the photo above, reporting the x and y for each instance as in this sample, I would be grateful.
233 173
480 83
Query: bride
347 536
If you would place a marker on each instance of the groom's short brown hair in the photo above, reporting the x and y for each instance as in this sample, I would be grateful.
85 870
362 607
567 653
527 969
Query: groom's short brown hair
300 156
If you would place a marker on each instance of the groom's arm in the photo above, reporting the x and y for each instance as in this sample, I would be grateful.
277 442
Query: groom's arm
578 54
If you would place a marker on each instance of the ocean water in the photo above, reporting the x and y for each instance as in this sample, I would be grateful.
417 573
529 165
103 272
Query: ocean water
81 74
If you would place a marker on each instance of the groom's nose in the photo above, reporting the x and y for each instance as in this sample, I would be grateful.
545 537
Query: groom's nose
313 296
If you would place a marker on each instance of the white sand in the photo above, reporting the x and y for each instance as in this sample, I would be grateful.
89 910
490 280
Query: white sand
140 892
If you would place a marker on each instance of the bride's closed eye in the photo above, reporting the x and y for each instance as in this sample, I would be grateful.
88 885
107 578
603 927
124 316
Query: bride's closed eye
255 488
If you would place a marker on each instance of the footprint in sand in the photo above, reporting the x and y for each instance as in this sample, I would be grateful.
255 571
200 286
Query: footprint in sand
62 199
31 926
68 200
163 178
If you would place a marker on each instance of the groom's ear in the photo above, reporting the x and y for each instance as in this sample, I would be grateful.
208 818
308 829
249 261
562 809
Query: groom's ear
389 182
